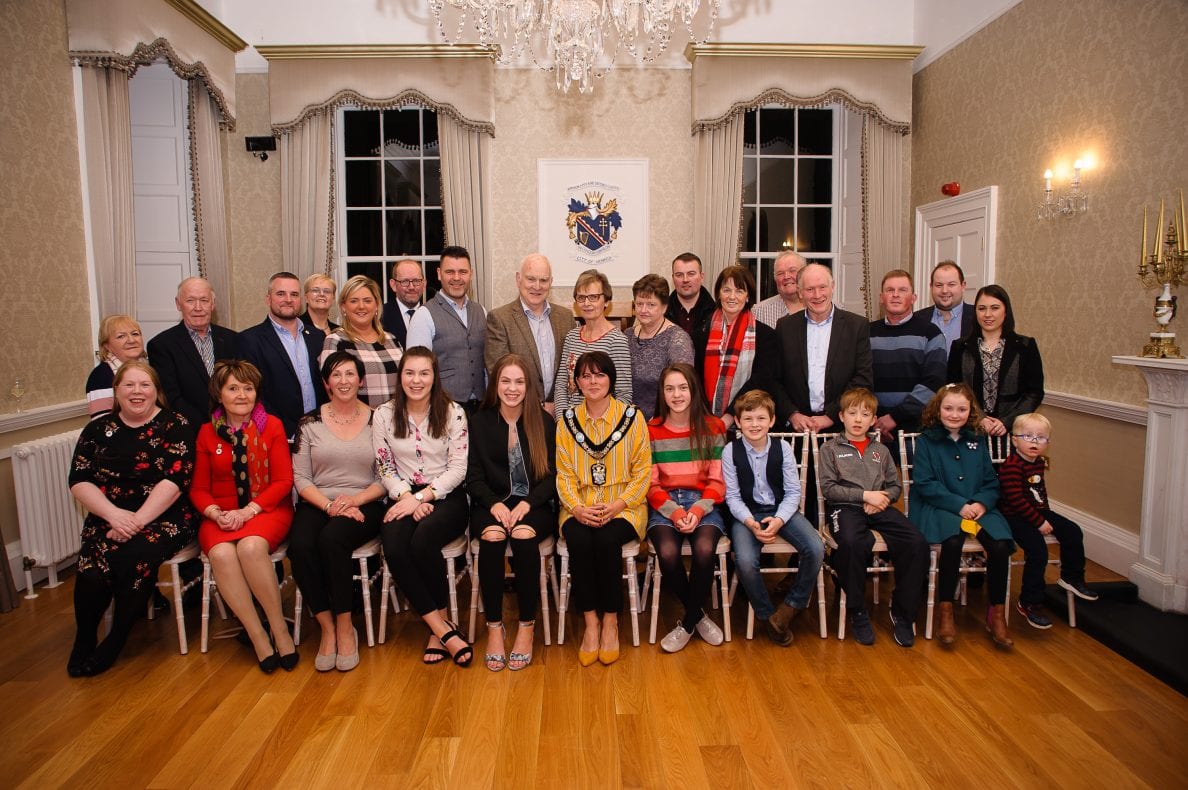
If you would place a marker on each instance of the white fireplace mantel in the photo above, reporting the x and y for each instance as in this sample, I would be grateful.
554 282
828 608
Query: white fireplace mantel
1161 573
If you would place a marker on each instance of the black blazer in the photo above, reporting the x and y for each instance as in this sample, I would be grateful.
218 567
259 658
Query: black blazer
848 363
394 323
967 317
183 376
1020 376
280 391
766 359
487 477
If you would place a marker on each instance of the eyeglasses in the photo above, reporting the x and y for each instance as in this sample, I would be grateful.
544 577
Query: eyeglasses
1027 437
321 291
588 298
410 282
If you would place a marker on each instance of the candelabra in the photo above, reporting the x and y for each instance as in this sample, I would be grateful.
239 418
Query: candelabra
1074 201
1163 268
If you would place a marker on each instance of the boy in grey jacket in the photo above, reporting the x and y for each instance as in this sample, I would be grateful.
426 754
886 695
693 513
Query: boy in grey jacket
859 484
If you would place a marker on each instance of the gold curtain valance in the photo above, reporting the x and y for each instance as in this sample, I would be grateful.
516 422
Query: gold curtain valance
126 34
875 81
454 81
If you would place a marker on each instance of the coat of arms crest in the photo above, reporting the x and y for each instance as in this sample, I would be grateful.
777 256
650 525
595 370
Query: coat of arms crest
593 224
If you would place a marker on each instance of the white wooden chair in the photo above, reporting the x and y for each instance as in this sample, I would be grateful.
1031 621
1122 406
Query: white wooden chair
879 565
178 588
458 547
210 587
800 445
367 580
548 574
973 556
652 575
630 552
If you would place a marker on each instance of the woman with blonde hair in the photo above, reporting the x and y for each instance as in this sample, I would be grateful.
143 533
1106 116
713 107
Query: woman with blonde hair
363 336
120 341
319 298
592 300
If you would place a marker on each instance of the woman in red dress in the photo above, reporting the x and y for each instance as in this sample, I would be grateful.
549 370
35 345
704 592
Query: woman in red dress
243 479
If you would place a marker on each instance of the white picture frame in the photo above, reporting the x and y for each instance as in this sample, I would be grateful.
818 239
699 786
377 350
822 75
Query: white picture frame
611 234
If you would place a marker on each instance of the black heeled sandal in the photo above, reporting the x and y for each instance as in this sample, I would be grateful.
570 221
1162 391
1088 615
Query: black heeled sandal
464 655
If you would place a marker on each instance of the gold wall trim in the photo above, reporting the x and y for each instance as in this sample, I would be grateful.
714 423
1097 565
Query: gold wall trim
346 51
205 20
847 51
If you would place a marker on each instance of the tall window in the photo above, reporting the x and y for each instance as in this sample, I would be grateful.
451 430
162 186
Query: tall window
390 192
790 172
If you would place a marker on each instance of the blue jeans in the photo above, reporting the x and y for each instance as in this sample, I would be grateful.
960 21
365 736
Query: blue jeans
686 498
800 533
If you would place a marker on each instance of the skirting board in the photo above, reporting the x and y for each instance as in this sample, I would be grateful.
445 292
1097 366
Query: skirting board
1105 543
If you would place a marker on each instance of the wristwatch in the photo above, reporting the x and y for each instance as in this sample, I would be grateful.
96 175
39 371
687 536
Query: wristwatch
419 496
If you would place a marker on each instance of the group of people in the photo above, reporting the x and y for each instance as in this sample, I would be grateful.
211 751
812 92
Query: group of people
420 421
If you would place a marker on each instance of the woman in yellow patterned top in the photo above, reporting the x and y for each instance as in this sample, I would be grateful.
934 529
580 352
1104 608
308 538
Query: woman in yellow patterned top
604 464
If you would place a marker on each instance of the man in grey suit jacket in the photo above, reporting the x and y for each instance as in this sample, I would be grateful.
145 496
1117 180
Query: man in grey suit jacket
953 317
531 326
823 351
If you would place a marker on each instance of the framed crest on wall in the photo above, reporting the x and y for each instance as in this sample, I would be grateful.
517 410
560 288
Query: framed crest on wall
593 214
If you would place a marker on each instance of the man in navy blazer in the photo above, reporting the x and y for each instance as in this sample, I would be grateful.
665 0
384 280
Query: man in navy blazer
184 355
286 352
951 315
823 351
407 281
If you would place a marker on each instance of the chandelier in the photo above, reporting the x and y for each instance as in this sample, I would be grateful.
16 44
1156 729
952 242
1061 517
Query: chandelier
576 33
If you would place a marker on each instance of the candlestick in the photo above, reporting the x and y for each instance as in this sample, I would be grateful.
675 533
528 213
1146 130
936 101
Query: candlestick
1143 249
1183 224
1047 180
1076 174
1159 235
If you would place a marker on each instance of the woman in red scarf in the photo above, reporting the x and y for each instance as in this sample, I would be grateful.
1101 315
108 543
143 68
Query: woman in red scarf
734 353
243 479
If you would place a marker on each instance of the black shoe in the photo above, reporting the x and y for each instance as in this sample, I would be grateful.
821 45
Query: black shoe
1078 589
160 603
289 662
860 625
1035 614
903 630
78 657
268 664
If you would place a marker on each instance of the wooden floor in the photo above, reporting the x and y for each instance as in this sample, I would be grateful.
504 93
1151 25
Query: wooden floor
1060 711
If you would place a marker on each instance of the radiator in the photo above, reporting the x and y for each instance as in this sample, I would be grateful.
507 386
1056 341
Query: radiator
50 518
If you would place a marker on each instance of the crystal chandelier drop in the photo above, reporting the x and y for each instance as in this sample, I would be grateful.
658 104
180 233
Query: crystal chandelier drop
581 37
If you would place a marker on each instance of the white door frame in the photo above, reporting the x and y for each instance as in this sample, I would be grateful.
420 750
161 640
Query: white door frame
978 204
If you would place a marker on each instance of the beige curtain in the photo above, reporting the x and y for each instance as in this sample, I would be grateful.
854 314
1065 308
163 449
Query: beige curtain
884 193
464 152
210 217
108 148
307 196
717 194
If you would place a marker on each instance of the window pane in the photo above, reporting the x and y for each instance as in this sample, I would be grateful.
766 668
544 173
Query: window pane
432 281
777 229
816 132
775 131
373 269
364 232
748 226
765 280
360 133
363 183
404 232
434 231
814 229
429 129
815 181
749 130
776 183
749 170
432 191
402 182
402 132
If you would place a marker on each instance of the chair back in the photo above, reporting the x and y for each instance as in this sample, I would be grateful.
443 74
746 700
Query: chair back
1000 448
800 446
907 455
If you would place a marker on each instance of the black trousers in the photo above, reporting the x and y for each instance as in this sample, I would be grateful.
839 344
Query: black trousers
998 560
690 589
596 563
851 528
320 549
525 560
1035 554
412 550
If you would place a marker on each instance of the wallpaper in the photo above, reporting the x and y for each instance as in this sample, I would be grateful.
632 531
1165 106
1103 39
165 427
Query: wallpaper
47 330
1046 83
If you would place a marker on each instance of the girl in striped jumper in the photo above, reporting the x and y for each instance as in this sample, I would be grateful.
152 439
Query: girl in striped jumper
686 483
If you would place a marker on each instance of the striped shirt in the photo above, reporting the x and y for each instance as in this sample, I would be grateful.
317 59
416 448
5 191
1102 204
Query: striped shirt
628 464
381 361
1023 495
673 467
614 343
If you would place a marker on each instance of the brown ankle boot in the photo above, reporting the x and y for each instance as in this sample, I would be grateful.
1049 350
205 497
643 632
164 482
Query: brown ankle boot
946 629
996 625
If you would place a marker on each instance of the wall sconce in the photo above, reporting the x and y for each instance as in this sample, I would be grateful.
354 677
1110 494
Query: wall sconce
260 146
1074 201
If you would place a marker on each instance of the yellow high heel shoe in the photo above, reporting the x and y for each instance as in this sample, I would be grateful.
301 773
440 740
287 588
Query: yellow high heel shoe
586 658
608 657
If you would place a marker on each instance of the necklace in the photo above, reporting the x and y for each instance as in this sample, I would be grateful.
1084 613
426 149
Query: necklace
340 421
641 339
582 333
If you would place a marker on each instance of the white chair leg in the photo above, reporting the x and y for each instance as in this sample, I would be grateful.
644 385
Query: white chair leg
205 606
365 579
385 592
722 574
750 621
841 613
452 584
474 598
298 605
875 583
1072 610
931 602
633 599
180 615
654 569
563 600
544 599
821 603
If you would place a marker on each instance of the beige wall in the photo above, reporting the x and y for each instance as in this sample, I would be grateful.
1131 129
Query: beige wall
1044 84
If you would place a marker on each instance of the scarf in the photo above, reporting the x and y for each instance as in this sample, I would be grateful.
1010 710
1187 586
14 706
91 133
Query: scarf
728 359
249 455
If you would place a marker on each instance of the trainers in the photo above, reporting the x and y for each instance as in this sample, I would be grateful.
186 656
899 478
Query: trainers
860 625
776 632
903 630
1079 589
676 639
708 630
1035 614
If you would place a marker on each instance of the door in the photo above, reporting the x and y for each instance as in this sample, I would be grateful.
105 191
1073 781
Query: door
960 229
